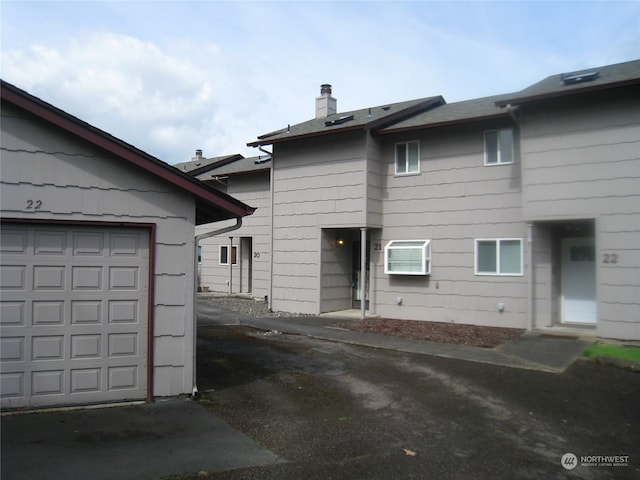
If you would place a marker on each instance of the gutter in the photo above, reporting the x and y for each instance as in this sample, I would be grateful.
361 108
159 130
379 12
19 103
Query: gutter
202 236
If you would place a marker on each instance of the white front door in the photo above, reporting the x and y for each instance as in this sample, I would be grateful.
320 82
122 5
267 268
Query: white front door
578 280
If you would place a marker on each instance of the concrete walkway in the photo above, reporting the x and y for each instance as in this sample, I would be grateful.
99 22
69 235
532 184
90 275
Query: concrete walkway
532 351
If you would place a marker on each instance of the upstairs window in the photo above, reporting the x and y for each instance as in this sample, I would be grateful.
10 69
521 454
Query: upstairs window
407 158
407 257
499 256
498 147
224 255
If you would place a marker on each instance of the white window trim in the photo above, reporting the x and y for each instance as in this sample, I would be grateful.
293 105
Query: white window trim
425 249
497 272
499 152
395 158
234 247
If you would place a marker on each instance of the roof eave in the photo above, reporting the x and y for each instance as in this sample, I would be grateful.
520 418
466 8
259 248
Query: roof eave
564 93
121 149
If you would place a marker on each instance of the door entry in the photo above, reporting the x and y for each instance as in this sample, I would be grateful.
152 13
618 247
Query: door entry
579 280
355 276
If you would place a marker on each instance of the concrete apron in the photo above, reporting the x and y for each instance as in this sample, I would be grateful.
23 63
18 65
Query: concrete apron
149 441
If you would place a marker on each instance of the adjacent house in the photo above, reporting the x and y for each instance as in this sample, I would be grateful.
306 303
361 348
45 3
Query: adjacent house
97 274
520 210
239 262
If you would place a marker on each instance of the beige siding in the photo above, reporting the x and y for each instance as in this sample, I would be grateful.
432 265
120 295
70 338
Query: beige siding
584 162
77 183
254 190
454 200
317 184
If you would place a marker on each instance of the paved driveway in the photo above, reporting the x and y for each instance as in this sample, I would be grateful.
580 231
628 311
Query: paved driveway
337 411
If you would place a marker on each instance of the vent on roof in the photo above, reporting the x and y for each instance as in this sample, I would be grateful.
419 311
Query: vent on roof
573 78
260 160
338 121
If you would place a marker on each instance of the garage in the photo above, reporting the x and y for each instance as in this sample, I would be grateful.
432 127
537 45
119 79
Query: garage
97 262
73 314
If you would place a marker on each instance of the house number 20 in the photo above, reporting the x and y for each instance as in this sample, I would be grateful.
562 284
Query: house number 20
610 258
34 204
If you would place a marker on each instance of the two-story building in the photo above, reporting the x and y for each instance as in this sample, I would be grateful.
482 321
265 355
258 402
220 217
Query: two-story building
520 210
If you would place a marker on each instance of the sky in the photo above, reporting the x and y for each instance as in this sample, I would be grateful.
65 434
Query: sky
170 77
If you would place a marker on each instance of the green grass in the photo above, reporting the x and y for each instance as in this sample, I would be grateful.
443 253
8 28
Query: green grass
615 351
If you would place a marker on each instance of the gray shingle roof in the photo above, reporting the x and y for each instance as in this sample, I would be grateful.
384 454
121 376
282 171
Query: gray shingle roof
194 166
609 76
237 167
366 118
451 113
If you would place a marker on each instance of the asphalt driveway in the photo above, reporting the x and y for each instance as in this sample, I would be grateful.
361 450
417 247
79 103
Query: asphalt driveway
286 406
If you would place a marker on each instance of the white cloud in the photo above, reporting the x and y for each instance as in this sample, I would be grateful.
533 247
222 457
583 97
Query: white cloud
171 77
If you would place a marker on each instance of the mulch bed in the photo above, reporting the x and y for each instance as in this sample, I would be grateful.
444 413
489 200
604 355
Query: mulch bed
473 335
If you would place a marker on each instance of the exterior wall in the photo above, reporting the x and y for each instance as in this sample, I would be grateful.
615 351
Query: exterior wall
254 190
317 183
454 200
78 183
583 161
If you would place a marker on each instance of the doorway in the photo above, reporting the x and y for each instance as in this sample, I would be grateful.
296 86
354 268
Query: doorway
246 264
578 284
356 274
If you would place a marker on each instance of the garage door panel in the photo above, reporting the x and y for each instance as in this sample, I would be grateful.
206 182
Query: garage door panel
14 241
85 380
12 349
48 277
124 245
13 277
74 314
48 312
86 312
123 378
12 313
86 346
88 244
50 243
124 312
86 278
123 278
49 347
50 382
12 385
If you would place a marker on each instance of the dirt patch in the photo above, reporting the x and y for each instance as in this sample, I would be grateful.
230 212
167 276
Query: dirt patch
473 335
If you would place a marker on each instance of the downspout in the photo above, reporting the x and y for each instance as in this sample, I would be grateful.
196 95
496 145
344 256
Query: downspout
202 236
363 272
530 277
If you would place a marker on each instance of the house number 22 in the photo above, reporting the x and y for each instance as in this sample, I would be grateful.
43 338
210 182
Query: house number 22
610 258
34 204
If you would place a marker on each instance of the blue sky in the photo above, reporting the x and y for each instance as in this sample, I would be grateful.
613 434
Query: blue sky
170 77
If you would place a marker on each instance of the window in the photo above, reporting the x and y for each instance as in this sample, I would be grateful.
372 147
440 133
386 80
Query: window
407 158
199 254
498 147
499 256
224 255
407 257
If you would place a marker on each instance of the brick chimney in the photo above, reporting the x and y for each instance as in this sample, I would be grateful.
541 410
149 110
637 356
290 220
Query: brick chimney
325 103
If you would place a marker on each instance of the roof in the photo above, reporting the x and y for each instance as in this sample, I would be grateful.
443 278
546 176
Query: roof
452 113
239 166
211 205
193 167
365 119
571 83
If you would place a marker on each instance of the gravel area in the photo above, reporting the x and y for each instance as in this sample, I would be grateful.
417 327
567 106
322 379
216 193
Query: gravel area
473 335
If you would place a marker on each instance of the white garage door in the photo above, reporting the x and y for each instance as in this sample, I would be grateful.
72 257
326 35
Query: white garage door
73 315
